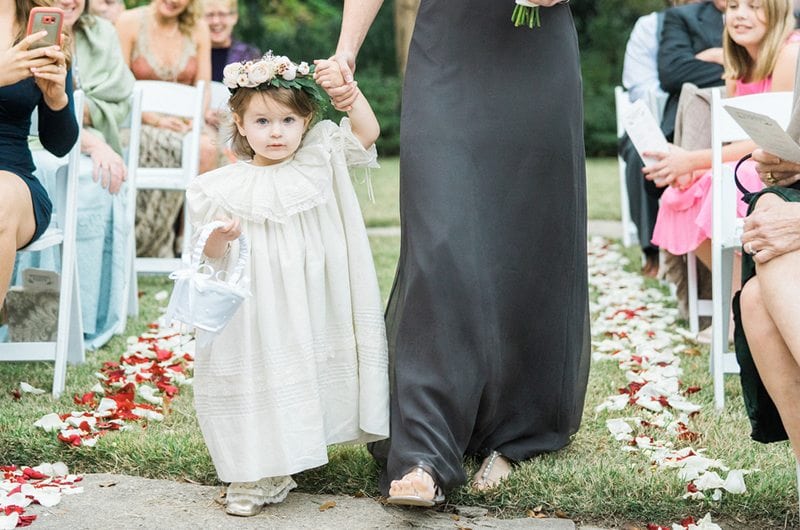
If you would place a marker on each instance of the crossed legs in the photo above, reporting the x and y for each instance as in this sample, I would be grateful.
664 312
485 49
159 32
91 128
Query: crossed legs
17 224
770 308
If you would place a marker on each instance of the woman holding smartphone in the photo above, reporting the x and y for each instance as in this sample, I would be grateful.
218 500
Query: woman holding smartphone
28 79
99 70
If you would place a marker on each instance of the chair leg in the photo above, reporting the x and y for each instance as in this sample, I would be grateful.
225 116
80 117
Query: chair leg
798 481
691 288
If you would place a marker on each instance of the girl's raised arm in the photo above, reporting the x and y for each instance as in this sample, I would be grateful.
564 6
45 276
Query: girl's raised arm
363 122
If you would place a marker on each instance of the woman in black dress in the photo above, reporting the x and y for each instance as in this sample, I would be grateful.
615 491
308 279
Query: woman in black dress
28 79
488 318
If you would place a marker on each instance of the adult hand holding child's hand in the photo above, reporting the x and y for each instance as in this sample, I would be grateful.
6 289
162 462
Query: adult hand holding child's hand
343 93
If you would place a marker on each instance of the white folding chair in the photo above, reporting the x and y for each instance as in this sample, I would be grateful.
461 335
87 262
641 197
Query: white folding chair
68 346
726 229
629 232
180 100
130 295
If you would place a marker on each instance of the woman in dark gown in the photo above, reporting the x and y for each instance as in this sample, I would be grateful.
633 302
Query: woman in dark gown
488 317
28 79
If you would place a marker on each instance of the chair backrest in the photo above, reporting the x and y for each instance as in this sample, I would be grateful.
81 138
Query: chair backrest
219 95
724 129
176 99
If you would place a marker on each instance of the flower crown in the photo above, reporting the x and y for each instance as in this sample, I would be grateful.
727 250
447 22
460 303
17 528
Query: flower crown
271 70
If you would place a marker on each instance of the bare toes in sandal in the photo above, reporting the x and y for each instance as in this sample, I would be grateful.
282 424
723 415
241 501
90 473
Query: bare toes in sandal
416 488
494 469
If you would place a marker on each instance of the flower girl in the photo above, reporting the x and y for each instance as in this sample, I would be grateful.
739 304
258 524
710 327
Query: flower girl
303 364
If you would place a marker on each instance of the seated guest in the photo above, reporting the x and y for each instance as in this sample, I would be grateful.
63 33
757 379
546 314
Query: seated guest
29 79
98 70
222 16
767 334
640 79
166 41
107 9
760 59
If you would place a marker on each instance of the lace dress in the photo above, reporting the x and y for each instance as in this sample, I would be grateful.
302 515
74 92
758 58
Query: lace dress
303 364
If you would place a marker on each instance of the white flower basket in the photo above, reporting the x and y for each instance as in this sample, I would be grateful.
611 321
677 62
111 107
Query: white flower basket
204 298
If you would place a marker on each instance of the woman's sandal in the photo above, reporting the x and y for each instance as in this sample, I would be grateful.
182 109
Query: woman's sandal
416 499
483 482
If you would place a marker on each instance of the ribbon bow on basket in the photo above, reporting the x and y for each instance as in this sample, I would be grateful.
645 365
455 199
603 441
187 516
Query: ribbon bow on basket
204 298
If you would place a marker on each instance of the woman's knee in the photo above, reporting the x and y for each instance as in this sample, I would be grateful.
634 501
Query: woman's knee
750 300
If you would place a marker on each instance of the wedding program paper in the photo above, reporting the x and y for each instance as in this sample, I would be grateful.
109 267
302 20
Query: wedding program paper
644 131
766 133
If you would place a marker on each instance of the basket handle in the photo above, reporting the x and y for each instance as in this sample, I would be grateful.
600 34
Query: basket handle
244 250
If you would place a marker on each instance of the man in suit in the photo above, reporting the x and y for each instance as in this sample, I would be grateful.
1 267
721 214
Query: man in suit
690 51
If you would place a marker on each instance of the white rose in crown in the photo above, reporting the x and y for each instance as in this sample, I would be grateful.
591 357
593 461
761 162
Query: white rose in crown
260 72
243 79
290 73
303 68
230 74
282 63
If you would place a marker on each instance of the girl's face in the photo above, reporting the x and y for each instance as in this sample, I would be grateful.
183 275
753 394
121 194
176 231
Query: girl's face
170 8
73 9
272 129
220 19
746 22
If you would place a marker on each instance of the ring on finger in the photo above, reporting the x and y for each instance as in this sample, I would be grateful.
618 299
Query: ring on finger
748 247
770 178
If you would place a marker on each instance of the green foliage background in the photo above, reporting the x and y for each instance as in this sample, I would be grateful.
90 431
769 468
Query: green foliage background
307 29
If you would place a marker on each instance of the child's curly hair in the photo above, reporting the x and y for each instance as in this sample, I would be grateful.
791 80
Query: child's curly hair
297 100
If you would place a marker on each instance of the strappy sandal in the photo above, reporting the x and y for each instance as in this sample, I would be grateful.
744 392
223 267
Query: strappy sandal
481 483
418 500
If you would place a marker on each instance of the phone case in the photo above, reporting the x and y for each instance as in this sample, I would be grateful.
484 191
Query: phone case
49 19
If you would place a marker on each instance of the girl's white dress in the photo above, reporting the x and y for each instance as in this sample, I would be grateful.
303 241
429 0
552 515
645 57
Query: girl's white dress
303 363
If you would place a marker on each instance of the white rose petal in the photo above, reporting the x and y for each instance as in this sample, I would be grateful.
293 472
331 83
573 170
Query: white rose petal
303 68
25 387
47 497
50 422
9 522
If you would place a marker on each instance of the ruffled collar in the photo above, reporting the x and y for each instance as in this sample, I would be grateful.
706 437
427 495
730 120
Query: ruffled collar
258 193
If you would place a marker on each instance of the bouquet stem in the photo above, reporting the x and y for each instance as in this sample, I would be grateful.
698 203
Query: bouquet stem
524 15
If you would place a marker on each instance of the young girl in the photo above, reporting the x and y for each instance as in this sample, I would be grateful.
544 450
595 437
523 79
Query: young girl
760 55
303 364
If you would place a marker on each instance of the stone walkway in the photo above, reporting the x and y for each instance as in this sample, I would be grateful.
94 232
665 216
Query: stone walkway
122 502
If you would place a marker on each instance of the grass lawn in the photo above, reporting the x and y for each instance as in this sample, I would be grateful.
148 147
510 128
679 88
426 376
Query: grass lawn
602 190
591 481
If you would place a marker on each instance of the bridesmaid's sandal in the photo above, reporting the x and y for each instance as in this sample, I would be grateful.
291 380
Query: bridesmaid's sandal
416 488
495 469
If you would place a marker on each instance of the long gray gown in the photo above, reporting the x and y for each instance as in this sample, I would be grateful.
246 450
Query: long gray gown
488 318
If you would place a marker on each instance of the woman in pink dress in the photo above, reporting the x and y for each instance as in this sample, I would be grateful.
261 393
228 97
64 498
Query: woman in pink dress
760 54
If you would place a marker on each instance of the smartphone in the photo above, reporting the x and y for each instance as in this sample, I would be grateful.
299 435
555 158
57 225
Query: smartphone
49 19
